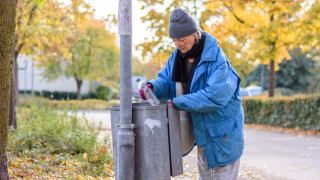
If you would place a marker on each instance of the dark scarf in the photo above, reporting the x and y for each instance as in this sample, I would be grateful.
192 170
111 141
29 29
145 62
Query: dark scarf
179 63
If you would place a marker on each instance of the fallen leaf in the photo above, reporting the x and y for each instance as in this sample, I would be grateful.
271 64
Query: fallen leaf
15 164
85 156
80 178
109 171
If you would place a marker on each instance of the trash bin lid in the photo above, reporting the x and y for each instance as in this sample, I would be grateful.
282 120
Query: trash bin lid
136 106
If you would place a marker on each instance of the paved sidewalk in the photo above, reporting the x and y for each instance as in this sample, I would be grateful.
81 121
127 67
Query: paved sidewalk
100 118
271 155
191 170
268 155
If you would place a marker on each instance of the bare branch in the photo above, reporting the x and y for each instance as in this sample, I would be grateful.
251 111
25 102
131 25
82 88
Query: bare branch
231 10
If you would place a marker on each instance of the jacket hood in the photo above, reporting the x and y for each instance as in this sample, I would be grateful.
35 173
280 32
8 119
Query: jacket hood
210 48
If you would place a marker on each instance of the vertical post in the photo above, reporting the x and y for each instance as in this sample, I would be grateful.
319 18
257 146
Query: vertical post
32 80
271 78
262 76
125 146
25 81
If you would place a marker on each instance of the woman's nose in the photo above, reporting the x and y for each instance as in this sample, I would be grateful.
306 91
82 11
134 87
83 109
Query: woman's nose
177 44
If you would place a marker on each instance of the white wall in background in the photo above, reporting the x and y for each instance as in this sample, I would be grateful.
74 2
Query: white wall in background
61 84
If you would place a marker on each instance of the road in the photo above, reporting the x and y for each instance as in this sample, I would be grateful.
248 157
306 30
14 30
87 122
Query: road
268 155
281 155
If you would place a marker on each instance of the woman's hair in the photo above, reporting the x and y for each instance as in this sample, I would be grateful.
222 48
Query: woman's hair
198 34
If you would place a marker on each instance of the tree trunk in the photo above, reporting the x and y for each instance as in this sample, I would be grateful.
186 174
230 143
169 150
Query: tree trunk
13 113
7 19
14 91
79 84
271 64
16 86
271 78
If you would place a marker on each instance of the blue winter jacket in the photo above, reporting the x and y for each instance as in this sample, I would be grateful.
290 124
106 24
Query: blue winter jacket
214 103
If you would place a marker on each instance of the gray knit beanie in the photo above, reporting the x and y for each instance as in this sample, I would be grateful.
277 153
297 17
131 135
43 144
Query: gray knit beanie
181 24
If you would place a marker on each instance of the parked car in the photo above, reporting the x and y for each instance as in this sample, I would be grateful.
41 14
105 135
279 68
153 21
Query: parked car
251 91
244 92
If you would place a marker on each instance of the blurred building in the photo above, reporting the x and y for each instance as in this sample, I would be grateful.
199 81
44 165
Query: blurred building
39 83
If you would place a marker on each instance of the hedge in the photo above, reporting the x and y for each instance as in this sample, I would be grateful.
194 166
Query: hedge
37 93
60 95
86 104
101 92
301 112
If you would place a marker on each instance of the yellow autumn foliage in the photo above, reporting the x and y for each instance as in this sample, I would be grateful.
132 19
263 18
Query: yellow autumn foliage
250 32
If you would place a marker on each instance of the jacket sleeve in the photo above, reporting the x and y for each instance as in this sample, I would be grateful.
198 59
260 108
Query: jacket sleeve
163 87
221 86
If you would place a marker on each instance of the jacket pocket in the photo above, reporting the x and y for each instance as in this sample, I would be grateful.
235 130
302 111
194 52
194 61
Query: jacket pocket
225 140
223 129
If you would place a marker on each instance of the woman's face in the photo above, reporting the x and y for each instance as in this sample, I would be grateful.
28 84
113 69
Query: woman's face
184 44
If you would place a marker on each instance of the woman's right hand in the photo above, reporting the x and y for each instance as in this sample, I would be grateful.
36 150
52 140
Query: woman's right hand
142 94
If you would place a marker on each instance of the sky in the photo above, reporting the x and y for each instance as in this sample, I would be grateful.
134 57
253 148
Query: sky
105 7
139 29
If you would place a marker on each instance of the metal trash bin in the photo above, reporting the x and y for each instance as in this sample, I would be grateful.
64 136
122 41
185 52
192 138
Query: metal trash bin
157 140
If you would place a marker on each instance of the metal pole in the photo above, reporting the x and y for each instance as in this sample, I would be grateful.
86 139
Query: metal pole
125 146
262 76
32 79
25 82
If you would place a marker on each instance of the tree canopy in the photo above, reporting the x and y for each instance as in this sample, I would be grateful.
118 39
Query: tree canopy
250 32
66 39
296 74
42 26
94 56
159 47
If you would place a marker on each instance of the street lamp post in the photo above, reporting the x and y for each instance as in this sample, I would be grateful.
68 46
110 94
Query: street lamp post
125 146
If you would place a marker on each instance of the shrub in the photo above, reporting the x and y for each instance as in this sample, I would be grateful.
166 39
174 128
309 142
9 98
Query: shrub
281 91
102 92
116 92
90 95
46 94
50 138
301 112
37 93
87 104
59 95
41 128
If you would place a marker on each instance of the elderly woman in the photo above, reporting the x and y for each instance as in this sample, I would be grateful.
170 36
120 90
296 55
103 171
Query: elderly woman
200 80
